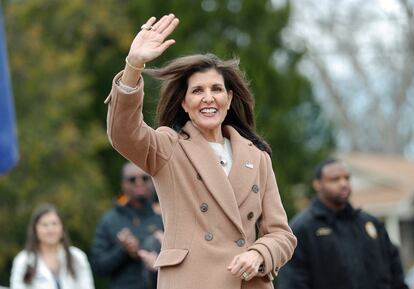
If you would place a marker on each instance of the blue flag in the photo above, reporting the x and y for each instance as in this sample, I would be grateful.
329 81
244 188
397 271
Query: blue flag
9 154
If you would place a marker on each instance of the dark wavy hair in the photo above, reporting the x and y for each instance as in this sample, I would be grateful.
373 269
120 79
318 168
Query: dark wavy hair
175 75
32 242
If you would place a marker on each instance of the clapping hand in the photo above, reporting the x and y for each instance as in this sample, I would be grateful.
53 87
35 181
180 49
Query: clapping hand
148 257
129 242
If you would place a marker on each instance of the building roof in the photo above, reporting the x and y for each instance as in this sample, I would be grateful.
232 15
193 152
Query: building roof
382 184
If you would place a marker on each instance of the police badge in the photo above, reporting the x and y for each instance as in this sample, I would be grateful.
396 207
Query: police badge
371 230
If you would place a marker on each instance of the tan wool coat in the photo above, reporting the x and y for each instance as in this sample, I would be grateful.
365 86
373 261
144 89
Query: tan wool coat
209 218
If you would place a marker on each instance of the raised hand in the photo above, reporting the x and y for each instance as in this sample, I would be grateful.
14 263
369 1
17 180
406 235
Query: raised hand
151 41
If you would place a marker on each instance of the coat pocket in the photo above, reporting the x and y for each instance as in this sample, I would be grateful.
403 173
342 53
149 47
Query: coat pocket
170 257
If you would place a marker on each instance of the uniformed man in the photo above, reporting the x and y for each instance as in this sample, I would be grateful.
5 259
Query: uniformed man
339 246
117 250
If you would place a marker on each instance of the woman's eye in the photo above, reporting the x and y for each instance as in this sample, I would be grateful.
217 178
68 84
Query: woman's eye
197 90
219 89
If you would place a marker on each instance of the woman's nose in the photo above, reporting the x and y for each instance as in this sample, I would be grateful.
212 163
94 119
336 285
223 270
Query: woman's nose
208 98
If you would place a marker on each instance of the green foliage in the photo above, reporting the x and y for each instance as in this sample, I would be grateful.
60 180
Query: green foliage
63 56
58 145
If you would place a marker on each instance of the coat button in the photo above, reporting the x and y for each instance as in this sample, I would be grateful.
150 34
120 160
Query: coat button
204 207
255 188
250 216
209 236
240 242
198 177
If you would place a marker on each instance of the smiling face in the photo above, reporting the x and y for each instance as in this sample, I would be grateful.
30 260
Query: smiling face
206 102
49 229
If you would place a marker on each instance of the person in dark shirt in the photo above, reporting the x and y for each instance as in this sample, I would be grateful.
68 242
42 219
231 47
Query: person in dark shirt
339 246
118 250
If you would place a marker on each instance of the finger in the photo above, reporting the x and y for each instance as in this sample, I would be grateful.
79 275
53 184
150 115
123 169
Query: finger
125 231
248 278
249 272
246 268
129 238
160 25
121 235
241 271
251 275
236 269
148 24
165 45
143 254
164 24
159 235
245 275
232 264
171 27
151 21
239 267
131 242
156 26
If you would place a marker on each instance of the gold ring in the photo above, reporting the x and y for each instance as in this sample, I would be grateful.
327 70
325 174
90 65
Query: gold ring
245 275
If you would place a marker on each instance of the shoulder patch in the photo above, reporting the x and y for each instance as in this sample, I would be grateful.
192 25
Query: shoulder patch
371 230
323 231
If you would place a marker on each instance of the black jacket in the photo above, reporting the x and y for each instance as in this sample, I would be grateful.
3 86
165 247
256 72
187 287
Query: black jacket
346 249
108 257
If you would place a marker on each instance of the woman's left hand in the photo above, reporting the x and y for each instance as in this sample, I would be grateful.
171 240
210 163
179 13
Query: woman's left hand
246 265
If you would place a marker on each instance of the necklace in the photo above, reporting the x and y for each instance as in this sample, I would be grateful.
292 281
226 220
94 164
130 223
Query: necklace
223 153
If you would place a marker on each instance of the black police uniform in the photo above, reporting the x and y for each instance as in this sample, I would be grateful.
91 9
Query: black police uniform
346 249
109 259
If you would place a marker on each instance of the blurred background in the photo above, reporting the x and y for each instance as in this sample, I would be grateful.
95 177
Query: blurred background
329 77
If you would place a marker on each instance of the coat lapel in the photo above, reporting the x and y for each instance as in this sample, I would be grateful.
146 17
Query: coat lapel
246 160
203 159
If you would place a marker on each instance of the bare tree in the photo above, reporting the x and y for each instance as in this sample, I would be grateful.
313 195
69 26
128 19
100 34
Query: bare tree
359 56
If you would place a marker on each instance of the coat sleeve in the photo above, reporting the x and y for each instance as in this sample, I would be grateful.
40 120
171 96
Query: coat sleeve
277 241
296 273
128 133
17 272
84 277
396 269
392 252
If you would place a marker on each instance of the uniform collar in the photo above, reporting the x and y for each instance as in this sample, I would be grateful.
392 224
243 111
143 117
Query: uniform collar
319 210
126 208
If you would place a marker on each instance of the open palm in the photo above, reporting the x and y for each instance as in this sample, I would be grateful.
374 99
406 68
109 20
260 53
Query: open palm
151 41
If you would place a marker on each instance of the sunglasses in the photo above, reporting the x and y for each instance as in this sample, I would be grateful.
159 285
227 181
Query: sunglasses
133 179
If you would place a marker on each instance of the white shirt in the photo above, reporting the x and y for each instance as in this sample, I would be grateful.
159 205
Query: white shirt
44 279
224 154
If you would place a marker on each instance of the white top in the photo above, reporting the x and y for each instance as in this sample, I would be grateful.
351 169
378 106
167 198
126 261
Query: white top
224 154
44 278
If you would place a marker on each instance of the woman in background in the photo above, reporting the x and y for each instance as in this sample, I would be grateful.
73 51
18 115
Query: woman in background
48 261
